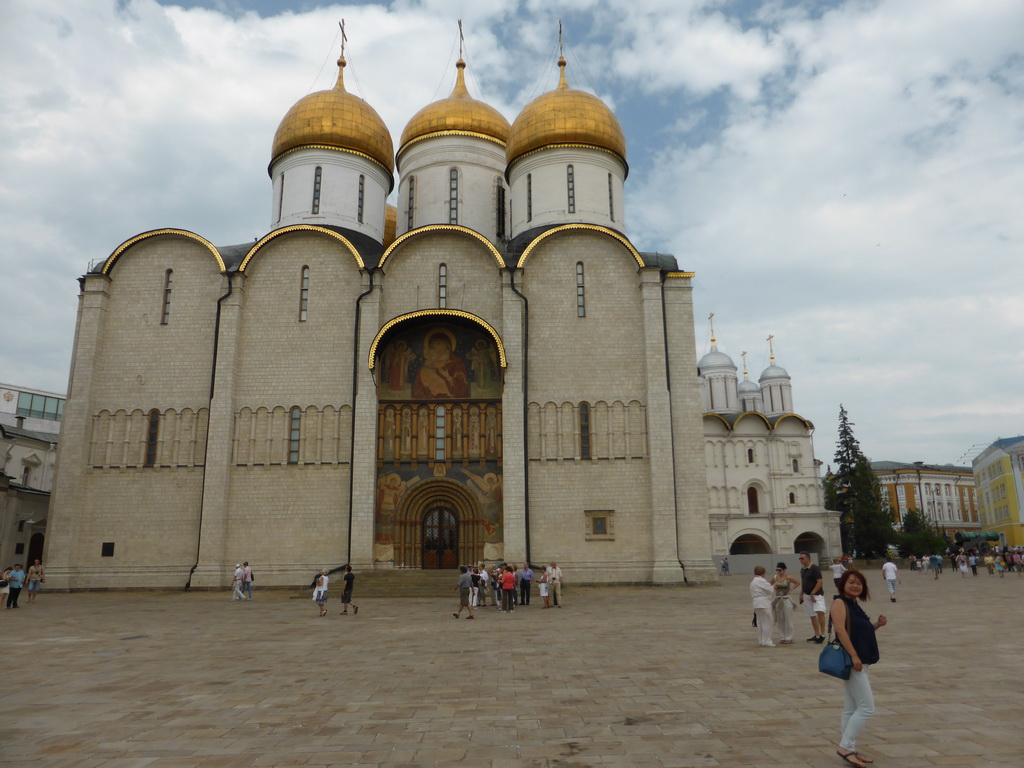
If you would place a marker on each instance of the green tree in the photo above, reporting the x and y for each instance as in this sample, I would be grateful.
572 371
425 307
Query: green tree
920 536
865 525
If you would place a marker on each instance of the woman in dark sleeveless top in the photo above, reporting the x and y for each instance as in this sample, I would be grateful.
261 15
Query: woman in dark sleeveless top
856 632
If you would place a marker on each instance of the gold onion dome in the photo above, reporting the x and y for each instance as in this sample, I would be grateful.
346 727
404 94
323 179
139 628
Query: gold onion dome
565 116
336 119
459 113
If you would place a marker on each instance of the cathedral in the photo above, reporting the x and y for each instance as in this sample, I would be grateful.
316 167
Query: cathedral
487 370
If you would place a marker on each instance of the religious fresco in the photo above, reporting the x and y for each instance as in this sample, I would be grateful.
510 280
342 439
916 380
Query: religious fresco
439 417
440 361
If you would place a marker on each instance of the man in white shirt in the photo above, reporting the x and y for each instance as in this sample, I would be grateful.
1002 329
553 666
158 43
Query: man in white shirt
891 574
761 594
236 582
555 583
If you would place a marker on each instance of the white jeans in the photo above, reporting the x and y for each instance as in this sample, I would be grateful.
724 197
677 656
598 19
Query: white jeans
764 625
859 706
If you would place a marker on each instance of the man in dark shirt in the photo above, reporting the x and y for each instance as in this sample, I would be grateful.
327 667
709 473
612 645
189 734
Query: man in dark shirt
812 596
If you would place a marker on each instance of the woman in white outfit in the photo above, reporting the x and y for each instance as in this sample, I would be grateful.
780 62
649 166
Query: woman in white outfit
320 591
761 595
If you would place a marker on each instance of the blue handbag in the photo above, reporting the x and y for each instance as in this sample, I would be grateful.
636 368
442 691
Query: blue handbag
834 660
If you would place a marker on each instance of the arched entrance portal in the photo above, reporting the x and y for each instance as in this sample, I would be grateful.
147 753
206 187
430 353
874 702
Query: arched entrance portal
440 537
749 544
439 526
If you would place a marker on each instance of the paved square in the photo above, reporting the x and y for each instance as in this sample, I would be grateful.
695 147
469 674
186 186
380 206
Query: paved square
619 677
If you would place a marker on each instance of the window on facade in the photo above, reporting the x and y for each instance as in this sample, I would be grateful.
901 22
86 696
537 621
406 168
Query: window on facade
412 202
107 549
792 498
294 433
600 525
442 286
317 178
26 476
499 208
581 303
40 406
165 316
750 455
611 199
570 188
796 466
439 430
280 199
529 197
152 433
752 505
304 294
359 204
453 196
584 430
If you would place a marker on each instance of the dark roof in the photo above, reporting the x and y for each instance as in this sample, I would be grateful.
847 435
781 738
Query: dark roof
50 438
664 261
891 466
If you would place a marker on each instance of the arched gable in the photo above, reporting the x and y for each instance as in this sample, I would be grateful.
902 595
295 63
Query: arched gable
578 227
440 314
419 232
346 243
793 417
113 258
752 415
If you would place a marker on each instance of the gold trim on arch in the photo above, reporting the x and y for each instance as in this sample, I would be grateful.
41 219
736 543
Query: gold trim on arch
443 228
301 228
680 274
452 132
331 147
112 258
437 313
589 227
569 145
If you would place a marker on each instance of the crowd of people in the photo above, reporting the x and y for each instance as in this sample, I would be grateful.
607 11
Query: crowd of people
510 584
14 579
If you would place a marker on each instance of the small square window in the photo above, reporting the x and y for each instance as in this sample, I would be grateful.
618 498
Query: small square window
600 525
19 548
107 549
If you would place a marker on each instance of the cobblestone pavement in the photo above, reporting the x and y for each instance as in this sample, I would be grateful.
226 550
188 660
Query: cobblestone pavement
623 676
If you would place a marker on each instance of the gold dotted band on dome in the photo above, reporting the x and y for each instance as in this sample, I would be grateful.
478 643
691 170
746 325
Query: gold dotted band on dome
301 228
109 263
680 274
437 313
437 134
335 148
586 227
613 153
443 228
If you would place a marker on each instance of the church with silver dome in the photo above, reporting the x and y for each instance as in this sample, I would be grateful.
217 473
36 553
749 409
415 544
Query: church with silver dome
486 370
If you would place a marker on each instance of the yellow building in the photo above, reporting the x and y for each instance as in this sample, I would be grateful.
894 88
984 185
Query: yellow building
999 477
944 494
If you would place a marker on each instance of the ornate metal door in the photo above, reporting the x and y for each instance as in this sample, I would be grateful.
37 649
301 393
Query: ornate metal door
440 538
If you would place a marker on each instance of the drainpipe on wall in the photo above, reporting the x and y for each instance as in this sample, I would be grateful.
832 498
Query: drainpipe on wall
355 391
526 419
671 427
206 449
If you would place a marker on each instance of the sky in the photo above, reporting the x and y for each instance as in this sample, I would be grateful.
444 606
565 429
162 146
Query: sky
845 176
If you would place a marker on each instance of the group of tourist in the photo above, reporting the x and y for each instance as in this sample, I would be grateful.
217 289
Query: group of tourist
13 581
241 582
853 629
320 585
511 586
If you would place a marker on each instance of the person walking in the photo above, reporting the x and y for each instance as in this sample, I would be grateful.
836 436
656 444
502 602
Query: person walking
856 633
782 605
5 588
320 585
761 597
838 569
346 592
464 584
36 577
891 575
15 581
555 582
525 581
247 579
812 597
236 583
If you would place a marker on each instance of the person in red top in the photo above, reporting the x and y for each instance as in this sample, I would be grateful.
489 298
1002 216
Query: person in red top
508 589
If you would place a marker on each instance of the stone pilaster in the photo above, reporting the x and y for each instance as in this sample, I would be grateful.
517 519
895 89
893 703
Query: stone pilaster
364 430
513 443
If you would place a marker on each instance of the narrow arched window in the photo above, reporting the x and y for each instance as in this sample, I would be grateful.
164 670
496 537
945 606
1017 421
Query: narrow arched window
584 430
303 294
611 199
529 197
294 433
165 315
750 455
442 286
570 188
412 202
439 431
280 199
453 196
581 305
152 433
359 204
752 505
796 466
317 179
792 498
499 209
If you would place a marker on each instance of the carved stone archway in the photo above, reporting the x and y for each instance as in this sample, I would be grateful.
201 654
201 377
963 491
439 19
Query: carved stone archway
422 499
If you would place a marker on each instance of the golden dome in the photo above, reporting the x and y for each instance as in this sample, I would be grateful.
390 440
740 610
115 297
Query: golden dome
336 119
459 112
390 224
565 116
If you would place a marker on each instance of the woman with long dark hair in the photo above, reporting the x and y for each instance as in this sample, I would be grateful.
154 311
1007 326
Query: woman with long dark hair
856 633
